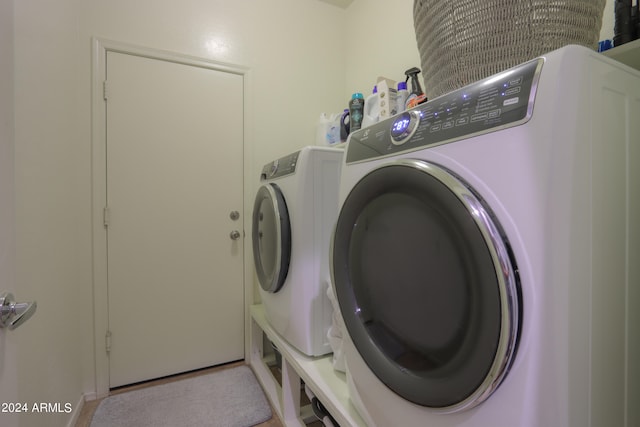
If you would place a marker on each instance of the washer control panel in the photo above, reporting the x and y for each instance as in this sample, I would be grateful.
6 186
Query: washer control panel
497 102
283 166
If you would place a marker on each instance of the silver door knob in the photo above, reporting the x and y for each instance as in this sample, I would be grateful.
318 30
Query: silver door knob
235 235
14 314
234 215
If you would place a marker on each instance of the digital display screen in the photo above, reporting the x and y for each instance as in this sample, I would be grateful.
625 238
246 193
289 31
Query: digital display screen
400 125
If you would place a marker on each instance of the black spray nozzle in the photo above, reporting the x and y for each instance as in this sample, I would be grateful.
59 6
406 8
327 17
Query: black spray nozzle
412 73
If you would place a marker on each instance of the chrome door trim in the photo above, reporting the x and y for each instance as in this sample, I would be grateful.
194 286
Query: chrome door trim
506 273
278 277
507 281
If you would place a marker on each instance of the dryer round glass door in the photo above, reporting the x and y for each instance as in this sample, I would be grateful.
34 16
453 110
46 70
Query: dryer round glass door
427 285
271 237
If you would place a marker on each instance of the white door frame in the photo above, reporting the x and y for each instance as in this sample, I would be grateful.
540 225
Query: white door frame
100 47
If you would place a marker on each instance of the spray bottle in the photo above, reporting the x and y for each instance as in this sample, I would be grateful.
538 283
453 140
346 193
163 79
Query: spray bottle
416 96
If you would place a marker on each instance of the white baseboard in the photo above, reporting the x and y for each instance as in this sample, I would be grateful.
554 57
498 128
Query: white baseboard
77 409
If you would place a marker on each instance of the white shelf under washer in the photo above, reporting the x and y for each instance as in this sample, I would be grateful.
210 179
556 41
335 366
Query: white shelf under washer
327 384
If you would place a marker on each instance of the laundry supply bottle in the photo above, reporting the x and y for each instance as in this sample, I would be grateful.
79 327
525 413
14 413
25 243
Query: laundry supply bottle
371 109
344 125
416 96
402 95
356 111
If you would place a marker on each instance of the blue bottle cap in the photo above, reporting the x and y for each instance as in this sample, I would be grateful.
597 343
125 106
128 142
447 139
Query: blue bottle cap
604 45
402 86
357 95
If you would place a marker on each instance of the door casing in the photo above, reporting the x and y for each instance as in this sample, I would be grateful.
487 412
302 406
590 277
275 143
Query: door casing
100 47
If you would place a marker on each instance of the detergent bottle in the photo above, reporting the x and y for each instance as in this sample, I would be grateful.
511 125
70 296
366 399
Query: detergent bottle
344 125
356 111
402 96
371 109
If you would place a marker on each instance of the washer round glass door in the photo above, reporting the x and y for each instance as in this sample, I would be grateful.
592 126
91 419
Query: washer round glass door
271 237
427 285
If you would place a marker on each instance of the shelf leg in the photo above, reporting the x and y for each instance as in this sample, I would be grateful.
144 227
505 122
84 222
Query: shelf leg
290 396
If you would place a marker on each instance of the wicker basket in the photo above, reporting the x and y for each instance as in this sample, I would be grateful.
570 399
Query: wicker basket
462 41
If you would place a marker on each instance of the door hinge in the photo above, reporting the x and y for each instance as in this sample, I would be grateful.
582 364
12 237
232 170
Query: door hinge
105 90
106 216
107 341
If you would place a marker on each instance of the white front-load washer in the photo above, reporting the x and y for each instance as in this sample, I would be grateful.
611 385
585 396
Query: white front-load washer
294 214
486 257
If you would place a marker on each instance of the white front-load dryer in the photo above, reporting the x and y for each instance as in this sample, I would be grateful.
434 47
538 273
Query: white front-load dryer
294 214
486 257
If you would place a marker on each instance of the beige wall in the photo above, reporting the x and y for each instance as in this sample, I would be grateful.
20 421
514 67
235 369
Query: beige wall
305 57
8 346
606 32
53 256
292 47
294 51
381 41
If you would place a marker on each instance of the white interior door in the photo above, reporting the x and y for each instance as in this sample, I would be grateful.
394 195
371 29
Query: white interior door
174 173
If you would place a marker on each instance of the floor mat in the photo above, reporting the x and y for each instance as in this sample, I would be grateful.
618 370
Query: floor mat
228 398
